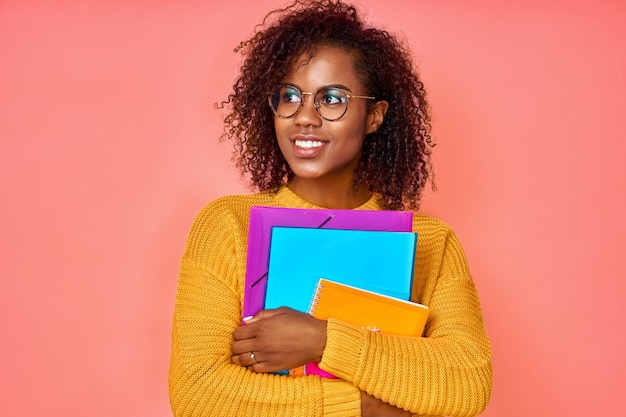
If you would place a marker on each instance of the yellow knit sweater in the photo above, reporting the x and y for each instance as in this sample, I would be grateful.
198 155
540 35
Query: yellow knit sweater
445 373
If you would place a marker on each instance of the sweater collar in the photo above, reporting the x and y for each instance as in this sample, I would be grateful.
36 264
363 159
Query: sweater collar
288 198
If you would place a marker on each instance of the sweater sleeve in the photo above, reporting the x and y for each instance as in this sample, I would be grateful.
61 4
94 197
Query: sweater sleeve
202 379
445 373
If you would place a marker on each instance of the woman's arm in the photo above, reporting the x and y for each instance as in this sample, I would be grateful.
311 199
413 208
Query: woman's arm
373 407
285 339
447 372
203 381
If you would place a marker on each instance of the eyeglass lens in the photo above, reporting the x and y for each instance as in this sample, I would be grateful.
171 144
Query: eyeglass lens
330 103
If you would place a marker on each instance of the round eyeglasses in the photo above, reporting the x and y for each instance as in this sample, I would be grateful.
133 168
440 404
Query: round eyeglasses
331 103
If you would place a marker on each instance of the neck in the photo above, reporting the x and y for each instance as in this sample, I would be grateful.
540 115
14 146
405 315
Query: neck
333 196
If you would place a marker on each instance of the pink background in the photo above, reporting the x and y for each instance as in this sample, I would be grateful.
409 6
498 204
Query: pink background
109 148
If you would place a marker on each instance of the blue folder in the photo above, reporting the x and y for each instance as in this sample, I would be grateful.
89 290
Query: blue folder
379 261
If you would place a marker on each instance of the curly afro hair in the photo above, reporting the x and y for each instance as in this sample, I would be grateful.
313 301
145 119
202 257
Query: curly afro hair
396 158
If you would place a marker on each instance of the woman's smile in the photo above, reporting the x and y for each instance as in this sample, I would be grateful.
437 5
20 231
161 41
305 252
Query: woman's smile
307 146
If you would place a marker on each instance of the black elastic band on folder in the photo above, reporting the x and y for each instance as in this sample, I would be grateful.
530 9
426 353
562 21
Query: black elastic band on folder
325 221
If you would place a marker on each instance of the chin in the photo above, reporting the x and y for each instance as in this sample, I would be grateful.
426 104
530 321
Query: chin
305 172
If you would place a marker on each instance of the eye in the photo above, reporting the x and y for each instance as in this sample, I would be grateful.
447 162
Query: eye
331 97
290 95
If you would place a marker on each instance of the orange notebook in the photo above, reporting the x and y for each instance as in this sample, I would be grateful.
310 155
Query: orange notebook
369 309
365 308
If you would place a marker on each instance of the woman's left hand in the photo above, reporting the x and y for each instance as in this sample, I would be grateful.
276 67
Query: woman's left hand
275 340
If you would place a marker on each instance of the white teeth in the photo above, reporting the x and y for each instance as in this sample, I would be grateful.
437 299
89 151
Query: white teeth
308 144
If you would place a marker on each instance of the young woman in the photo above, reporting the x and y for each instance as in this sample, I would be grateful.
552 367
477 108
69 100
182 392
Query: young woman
327 113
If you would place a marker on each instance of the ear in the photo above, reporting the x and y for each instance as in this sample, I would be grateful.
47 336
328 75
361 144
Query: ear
376 115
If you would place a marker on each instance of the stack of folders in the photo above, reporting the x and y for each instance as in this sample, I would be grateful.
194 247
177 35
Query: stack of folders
264 219
372 251
373 260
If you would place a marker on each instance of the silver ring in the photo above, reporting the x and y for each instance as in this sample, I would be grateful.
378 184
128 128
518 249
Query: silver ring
252 356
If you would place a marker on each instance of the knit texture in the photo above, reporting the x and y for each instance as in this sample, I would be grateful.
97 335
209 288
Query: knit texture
445 373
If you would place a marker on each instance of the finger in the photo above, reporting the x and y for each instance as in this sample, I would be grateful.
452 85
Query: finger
263 314
240 360
253 358
243 346
244 332
255 365
247 359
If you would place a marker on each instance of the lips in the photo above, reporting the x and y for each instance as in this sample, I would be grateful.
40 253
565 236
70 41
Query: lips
306 146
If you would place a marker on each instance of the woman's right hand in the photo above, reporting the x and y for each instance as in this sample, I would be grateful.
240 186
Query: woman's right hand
373 407
279 339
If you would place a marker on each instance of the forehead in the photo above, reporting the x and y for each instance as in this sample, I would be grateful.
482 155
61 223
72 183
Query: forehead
324 66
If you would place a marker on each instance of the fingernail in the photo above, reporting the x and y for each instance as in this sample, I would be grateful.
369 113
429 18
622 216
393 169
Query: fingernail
247 318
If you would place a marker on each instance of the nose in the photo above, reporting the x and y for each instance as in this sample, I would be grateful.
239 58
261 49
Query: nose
308 115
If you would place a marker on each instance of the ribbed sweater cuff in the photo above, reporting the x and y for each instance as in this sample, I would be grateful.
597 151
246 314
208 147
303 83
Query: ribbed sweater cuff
341 398
343 349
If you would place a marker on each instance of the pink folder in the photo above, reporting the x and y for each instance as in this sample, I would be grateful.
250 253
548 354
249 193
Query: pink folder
263 219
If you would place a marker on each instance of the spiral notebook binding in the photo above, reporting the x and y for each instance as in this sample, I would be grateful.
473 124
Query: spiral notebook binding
316 297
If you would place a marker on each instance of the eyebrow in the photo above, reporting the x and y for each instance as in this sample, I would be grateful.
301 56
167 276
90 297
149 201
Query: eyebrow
325 87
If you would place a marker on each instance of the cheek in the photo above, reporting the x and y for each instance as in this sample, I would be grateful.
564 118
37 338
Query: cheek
280 126
280 133
353 133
